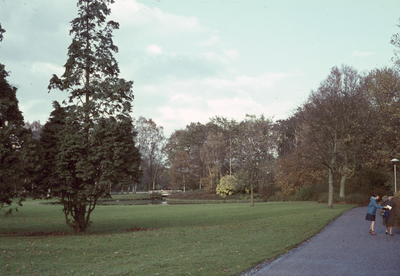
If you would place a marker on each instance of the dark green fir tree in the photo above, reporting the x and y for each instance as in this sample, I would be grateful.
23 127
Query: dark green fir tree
95 147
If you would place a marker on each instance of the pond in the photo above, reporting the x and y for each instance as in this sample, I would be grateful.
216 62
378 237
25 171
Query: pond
134 202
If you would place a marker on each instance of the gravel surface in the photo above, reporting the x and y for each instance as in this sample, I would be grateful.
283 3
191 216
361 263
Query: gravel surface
344 247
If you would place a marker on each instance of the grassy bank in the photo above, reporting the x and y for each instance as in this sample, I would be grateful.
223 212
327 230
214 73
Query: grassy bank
209 201
206 239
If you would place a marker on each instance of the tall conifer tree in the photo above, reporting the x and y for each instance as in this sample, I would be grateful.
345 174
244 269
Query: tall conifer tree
96 148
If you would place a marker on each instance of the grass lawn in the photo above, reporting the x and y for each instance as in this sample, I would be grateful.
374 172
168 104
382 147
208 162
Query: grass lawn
199 239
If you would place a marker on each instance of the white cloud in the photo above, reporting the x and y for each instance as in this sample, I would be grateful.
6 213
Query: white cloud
214 57
210 41
154 49
231 54
243 82
235 107
185 98
42 68
358 54
198 100
141 17
171 117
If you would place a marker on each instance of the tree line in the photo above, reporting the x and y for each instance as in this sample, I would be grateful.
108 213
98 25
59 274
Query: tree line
342 137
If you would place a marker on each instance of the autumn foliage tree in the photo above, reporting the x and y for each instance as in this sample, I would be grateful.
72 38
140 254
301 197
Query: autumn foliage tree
334 120
383 92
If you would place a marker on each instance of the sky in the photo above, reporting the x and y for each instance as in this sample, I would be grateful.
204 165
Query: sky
194 60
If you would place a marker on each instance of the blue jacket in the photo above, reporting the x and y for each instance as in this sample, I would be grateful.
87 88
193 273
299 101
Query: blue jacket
372 206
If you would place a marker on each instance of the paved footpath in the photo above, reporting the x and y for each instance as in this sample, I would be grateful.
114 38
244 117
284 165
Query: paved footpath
344 247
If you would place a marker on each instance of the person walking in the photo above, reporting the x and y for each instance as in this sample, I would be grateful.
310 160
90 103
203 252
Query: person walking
371 212
390 213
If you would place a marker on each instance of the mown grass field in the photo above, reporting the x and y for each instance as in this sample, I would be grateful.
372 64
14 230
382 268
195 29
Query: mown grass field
198 239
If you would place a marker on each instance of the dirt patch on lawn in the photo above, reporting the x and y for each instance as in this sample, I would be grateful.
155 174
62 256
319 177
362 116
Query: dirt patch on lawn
137 229
64 233
39 233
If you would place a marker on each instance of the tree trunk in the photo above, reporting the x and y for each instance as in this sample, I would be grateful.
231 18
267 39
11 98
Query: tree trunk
80 224
345 176
330 168
184 188
251 194
342 185
330 194
251 189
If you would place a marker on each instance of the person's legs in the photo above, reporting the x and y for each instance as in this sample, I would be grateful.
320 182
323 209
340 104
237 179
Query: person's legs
372 226
391 228
386 229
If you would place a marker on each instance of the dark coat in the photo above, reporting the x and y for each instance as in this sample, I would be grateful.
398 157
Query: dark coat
393 213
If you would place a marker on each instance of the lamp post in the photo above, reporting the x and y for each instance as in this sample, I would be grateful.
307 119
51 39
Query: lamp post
394 162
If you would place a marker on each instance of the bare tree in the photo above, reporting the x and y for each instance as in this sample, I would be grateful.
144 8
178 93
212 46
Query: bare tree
150 141
180 170
36 127
254 150
213 155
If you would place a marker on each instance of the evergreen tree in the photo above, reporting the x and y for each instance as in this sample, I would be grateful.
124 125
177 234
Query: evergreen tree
46 179
12 134
96 147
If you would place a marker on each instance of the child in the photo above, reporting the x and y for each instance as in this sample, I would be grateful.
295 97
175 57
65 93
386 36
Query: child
372 211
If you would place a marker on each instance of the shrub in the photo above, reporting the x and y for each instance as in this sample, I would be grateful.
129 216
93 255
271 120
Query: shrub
268 191
311 193
357 198
323 198
227 186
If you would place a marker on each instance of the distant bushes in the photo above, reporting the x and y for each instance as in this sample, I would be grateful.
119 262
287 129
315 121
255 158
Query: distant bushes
195 194
319 193
203 195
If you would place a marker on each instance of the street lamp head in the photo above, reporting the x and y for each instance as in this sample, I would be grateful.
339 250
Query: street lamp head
394 168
